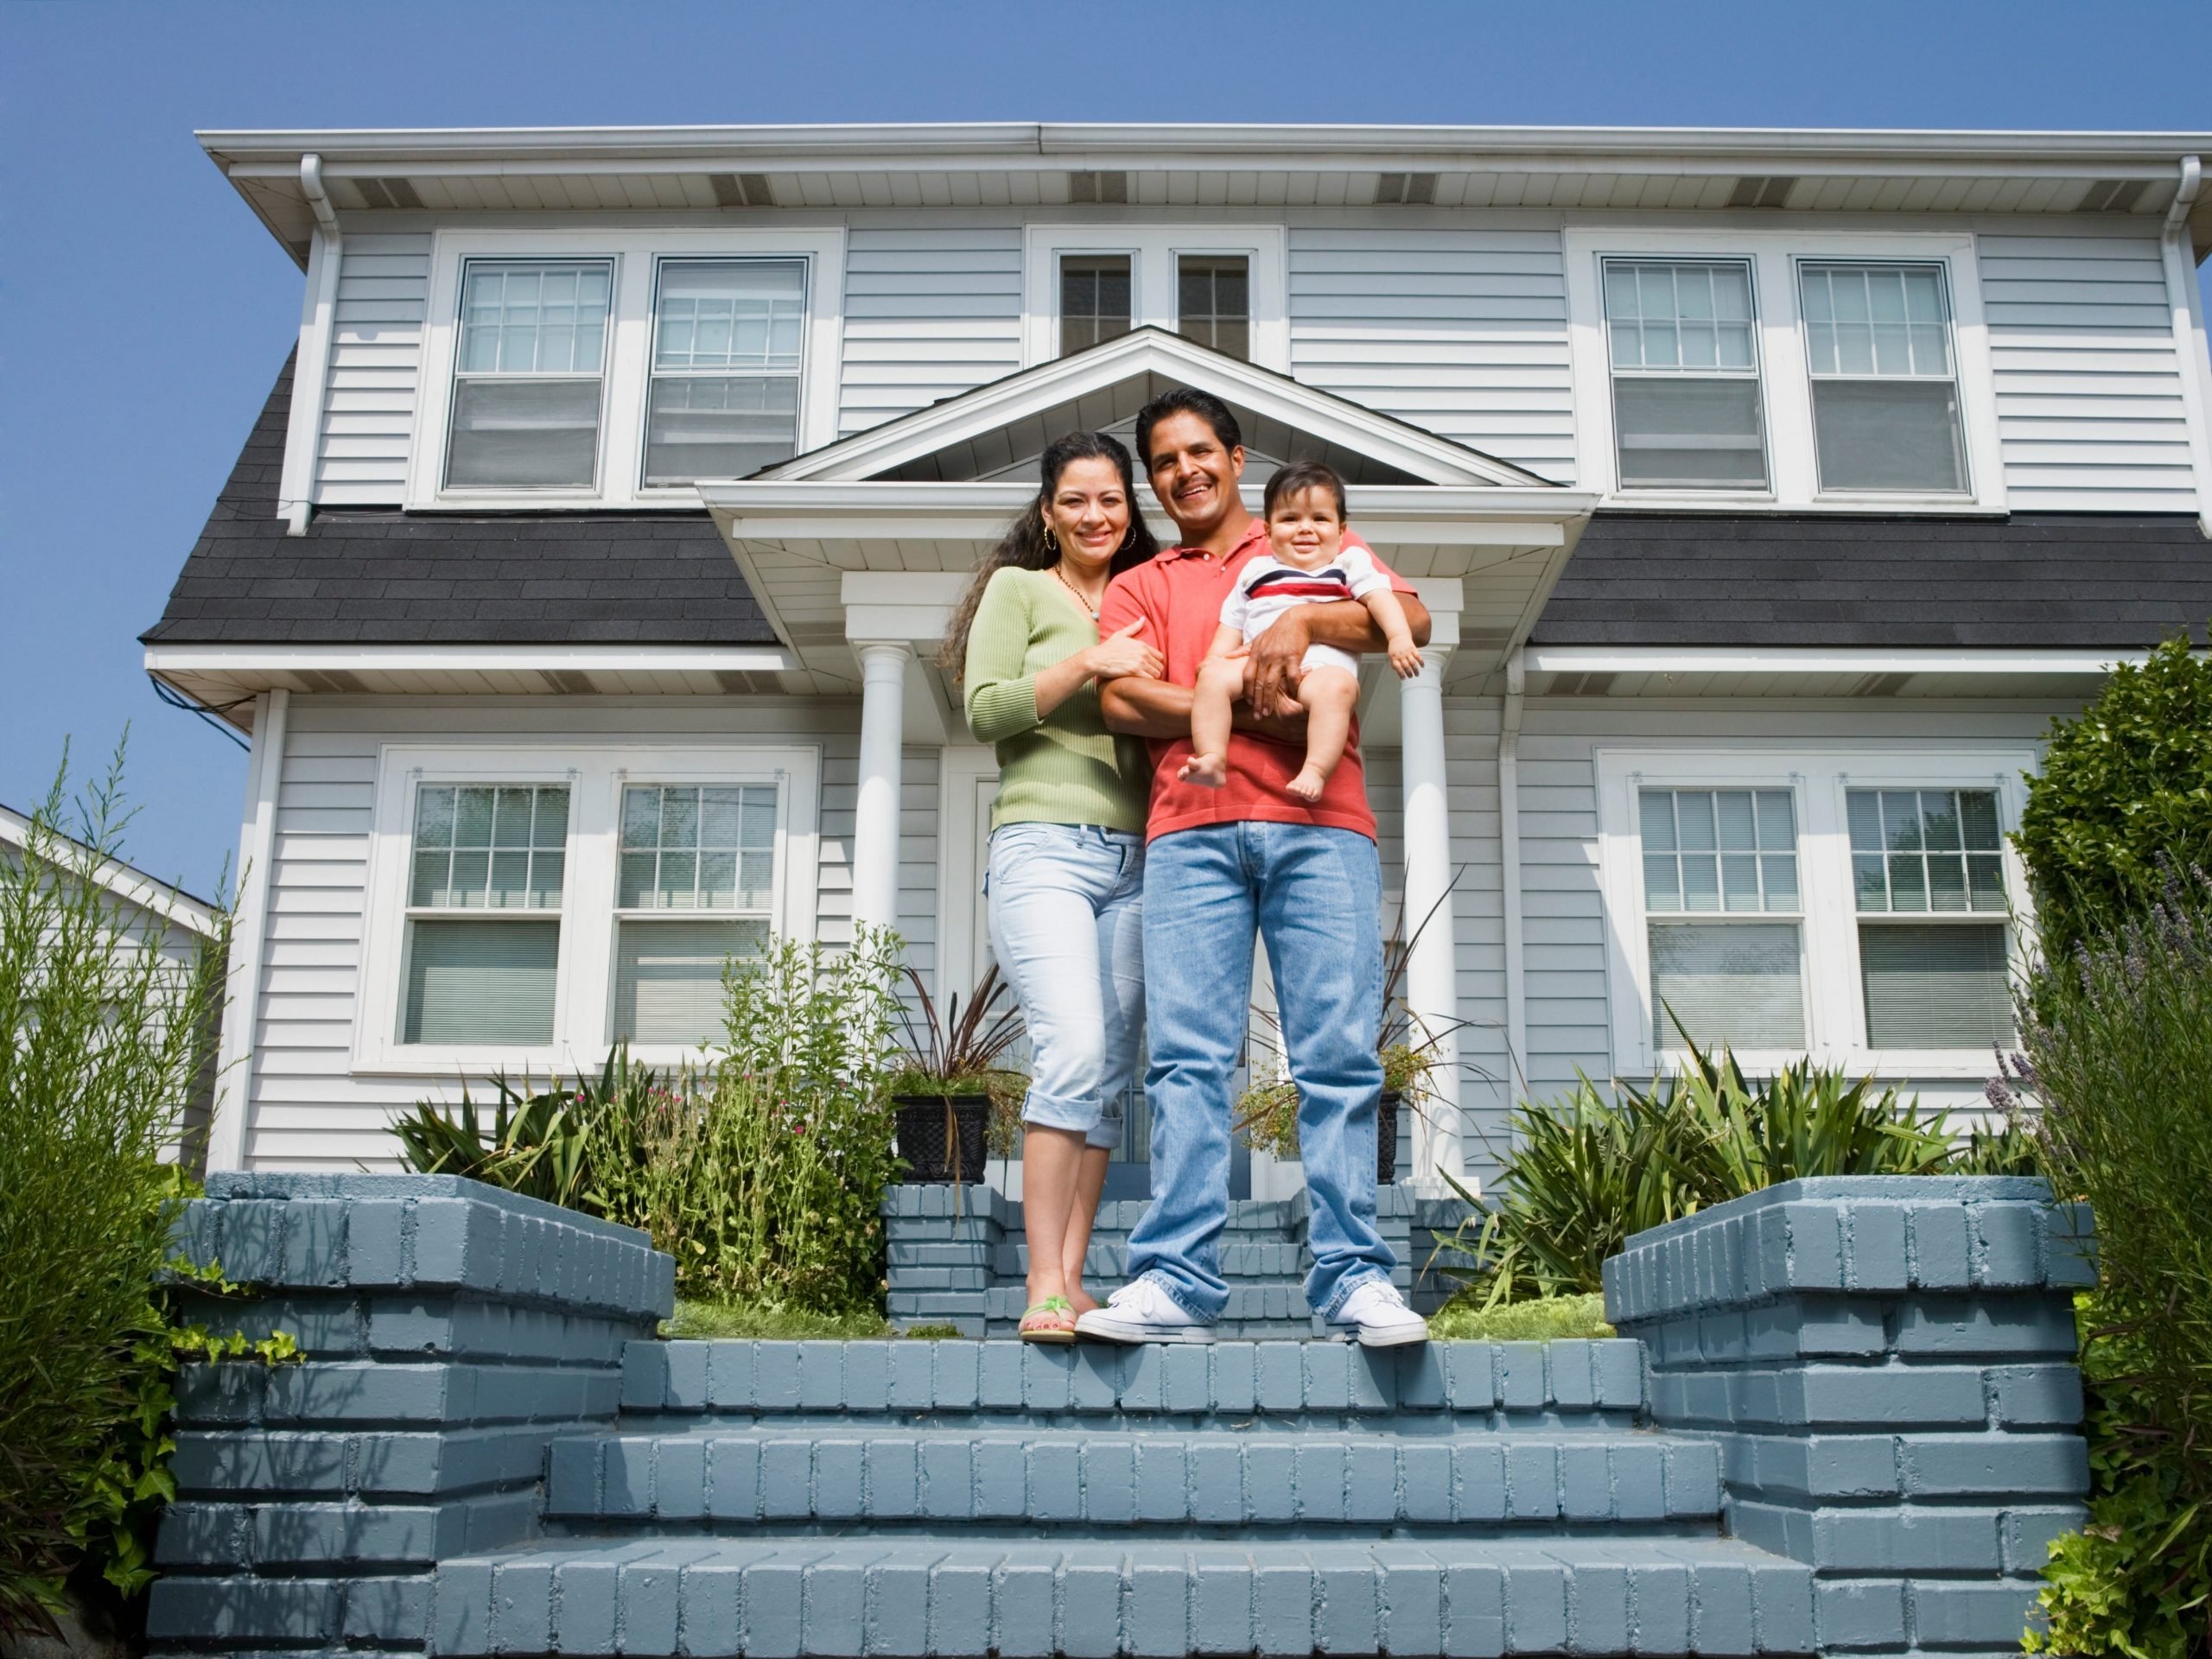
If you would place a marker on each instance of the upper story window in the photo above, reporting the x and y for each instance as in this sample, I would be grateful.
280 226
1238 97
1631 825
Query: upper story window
1685 372
728 338
1213 295
1095 293
528 374
1886 394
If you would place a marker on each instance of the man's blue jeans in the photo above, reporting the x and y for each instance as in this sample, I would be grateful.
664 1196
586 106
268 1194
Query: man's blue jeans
1315 896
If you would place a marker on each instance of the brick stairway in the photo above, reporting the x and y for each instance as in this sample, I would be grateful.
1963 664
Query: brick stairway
973 1498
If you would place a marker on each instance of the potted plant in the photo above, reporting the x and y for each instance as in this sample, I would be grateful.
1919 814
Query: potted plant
955 1099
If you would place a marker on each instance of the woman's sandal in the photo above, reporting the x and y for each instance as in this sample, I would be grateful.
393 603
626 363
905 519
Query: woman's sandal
1053 1308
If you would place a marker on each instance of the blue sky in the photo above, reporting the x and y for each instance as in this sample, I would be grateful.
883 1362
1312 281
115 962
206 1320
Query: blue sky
144 312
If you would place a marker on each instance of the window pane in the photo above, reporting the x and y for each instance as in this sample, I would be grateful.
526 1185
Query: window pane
481 981
1780 870
1693 811
1887 320
1888 434
524 434
1094 300
1676 316
1214 302
718 426
1869 875
1662 881
1740 880
533 319
1700 881
1738 832
668 977
688 848
1690 434
1753 832
1985 880
719 314
1978 819
1656 808
1934 987
1734 983
478 846
1777 821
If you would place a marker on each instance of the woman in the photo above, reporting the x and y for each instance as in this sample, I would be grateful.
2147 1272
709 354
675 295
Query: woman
1065 875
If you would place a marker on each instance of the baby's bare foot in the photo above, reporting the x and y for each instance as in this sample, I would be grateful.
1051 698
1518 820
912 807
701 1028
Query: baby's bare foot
1210 770
1308 785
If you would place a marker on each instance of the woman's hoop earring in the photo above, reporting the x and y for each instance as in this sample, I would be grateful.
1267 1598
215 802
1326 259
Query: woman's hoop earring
1052 541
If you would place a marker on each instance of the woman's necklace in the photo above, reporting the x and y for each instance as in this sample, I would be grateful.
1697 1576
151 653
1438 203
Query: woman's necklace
1089 608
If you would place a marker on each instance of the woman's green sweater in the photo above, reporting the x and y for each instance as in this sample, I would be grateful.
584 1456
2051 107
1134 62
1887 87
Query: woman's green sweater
1067 768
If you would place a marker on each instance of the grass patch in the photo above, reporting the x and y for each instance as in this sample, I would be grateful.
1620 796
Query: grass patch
934 1333
771 1322
1547 1318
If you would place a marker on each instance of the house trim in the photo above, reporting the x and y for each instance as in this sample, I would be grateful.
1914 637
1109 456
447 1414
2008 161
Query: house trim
230 1124
1753 659
1785 381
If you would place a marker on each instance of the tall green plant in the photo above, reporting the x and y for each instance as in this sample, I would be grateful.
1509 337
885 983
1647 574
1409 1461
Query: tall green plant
2124 784
105 1038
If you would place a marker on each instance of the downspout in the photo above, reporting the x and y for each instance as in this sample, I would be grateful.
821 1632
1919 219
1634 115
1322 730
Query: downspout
2174 247
311 374
1508 836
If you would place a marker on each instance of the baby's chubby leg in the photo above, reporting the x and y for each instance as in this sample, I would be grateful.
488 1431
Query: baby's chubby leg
1328 695
1221 682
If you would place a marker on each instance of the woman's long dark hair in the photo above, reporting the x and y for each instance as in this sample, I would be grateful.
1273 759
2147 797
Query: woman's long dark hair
1024 546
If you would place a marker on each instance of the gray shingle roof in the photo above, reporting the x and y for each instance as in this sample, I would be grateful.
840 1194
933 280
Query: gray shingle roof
2035 580
380 576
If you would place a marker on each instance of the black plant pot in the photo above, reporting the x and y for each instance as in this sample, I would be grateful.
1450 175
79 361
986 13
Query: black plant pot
1386 1138
943 1137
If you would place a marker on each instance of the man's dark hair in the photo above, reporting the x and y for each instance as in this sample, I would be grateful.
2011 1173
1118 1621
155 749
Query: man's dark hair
1302 475
1186 400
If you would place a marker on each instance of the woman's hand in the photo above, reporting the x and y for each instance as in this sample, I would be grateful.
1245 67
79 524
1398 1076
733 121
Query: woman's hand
1121 655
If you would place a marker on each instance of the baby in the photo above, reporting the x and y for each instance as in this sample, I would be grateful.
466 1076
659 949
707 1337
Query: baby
1310 565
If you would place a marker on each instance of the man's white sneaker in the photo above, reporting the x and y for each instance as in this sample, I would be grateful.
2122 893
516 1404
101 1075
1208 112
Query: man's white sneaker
1378 1316
1141 1312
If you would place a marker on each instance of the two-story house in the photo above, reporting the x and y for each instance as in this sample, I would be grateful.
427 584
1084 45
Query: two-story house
581 584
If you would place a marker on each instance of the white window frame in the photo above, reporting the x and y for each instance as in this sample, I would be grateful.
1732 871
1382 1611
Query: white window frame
595 775
1785 380
1818 777
1153 250
628 364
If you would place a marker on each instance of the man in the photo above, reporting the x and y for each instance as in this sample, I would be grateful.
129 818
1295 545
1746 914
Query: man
1222 863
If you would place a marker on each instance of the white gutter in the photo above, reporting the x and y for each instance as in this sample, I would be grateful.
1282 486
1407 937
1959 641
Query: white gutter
234 1055
493 659
311 369
1508 853
2189 335
1714 660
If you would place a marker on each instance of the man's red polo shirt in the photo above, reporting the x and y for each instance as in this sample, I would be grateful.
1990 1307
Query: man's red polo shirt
1179 593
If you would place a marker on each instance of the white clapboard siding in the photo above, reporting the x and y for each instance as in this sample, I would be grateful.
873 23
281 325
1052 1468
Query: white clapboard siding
309 1111
930 311
1564 924
1463 332
2089 410
368 411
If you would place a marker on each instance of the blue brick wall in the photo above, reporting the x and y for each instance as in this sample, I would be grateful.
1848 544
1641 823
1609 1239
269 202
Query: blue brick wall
1886 1366
451 1332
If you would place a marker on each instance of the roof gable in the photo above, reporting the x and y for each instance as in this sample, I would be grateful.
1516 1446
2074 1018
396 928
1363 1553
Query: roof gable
998 430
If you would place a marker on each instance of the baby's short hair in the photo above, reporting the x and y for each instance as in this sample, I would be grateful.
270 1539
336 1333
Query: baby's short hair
1299 477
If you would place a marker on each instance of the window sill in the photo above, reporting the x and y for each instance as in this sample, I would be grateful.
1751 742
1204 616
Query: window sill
1887 1065
1836 505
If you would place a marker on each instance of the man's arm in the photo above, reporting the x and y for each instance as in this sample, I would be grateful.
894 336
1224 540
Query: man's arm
1344 623
1158 709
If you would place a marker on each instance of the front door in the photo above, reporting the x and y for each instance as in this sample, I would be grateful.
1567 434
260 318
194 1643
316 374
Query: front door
967 784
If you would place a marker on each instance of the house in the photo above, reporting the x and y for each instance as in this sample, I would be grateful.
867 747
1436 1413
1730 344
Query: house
580 583
152 915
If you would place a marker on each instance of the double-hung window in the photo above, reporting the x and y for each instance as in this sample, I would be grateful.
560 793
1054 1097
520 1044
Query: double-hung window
1213 302
696 889
1723 906
484 898
1853 905
528 374
1681 336
1885 391
1095 300
728 335
1224 286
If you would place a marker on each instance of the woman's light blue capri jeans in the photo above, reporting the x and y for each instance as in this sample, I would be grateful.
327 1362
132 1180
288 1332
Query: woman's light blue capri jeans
1067 926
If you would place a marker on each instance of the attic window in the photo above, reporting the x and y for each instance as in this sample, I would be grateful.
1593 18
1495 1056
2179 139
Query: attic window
1094 300
527 380
1214 302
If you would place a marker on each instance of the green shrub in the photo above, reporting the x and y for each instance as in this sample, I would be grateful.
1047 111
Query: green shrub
1582 1175
1548 1319
2126 782
2118 1040
105 1042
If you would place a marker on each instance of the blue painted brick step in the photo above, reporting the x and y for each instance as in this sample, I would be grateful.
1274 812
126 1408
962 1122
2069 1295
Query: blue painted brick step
710 1598
890 1474
1559 1380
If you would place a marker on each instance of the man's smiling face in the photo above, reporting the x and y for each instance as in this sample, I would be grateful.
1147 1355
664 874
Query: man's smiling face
1193 474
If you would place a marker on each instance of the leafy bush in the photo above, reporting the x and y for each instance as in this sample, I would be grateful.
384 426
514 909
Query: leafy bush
104 1041
1583 1175
762 1176
1548 1319
2126 782
2118 1035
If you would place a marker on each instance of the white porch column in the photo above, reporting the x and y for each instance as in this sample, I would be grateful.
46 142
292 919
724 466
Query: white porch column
1431 967
875 816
